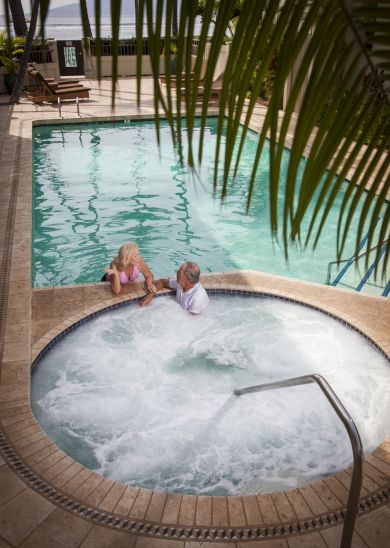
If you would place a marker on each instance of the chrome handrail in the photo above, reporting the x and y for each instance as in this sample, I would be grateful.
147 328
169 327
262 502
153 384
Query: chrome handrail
354 437
351 260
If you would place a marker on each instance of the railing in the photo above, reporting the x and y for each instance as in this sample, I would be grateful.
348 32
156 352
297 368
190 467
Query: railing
357 448
127 46
40 54
349 262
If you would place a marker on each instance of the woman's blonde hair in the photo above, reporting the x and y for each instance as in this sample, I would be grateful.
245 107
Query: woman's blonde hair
125 254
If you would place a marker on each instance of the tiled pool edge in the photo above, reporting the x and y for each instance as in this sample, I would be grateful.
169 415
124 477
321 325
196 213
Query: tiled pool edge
45 343
178 530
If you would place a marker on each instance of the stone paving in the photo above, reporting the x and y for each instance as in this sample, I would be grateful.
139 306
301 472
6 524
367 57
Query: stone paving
48 499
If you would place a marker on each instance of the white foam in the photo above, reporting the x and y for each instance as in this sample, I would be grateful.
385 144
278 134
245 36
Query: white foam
145 395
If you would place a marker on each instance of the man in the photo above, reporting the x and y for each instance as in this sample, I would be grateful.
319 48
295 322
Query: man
190 294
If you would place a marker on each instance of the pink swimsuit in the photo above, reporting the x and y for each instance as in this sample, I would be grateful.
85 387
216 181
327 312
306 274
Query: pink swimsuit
124 278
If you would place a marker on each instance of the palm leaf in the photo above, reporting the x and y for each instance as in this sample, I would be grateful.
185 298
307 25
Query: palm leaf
335 57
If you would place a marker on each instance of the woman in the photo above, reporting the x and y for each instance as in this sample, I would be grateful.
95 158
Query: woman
126 266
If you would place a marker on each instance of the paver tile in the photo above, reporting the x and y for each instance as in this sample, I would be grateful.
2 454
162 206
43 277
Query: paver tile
145 542
374 527
72 485
60 529
156 506
22 514
24 432
101 537
14 373
141 503
203 511
16 351
332 537
198 544
34 447
298 504
111 499
312 500
171 509
267 509
311 540
69 473
252 510
41 454
220 515
100 492
10 484
283 506
236 512
50 461
276 543
126 501
326 495
187 510
51 473
21 425
87 487
4 544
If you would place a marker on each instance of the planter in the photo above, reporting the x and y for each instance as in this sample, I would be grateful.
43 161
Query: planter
10 81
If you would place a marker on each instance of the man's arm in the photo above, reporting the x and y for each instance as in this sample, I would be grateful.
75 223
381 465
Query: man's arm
159 284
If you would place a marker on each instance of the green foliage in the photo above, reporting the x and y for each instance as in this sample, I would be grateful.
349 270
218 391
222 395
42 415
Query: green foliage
322 53
10 52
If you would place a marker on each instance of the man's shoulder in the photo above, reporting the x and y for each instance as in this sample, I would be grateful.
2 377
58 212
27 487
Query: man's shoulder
198 289
199 299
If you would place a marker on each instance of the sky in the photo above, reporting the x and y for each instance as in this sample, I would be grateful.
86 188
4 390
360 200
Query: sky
53 4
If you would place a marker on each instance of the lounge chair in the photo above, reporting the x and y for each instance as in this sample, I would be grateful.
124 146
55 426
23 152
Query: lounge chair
51 82
199 92
50 93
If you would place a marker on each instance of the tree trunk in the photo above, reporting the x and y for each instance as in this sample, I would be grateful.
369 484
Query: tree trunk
85 19
175 29
16 92
19 21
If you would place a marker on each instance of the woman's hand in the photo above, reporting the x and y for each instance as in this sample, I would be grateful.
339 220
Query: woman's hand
151 288
111 270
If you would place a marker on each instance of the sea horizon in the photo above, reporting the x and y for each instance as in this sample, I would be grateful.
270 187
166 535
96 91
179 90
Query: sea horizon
70 28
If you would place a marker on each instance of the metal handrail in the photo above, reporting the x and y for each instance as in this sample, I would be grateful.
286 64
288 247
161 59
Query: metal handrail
354 437
351 260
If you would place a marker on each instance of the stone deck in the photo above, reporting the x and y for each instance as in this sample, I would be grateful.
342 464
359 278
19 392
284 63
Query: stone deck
48 499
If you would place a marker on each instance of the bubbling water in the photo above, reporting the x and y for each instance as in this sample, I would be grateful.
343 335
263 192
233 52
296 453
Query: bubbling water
145 396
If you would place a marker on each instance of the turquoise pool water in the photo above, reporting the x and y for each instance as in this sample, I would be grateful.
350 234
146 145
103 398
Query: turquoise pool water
97 186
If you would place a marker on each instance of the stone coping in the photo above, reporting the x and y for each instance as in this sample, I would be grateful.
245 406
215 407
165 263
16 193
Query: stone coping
62 480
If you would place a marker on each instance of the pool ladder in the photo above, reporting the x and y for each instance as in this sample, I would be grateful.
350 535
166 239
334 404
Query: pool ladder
354 437
354 259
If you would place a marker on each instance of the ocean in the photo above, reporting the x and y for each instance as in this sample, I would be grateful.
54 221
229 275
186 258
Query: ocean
70 28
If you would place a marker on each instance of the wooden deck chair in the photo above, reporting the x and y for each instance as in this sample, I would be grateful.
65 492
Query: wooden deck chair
173 78
50 82
216 89
50 94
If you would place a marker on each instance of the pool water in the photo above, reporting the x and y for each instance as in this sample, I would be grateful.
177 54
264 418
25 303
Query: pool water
97 186
154 407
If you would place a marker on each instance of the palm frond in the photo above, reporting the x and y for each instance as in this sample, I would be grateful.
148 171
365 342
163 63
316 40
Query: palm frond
335 57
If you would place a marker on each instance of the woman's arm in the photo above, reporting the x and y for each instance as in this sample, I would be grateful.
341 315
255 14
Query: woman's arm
114 278
148 276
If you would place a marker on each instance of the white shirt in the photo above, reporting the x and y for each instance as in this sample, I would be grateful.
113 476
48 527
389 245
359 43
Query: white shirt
194 300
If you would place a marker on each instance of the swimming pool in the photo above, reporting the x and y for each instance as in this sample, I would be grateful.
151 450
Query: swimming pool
155 408
99 185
